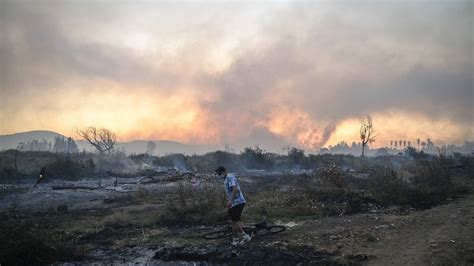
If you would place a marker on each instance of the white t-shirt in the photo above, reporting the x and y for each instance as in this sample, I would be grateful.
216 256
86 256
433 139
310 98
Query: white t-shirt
229 182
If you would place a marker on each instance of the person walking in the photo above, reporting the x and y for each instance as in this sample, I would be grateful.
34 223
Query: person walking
235 206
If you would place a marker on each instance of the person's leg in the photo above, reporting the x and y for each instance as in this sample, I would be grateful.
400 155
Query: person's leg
235 229
239 227
242 234
238 215
233 224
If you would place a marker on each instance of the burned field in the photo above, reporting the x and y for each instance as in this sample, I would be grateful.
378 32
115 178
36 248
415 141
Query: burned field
336 210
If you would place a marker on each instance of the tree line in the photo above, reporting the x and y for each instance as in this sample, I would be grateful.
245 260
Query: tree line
60 145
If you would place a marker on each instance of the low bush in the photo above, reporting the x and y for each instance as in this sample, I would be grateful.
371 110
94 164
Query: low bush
430 184
194 206
65 168
274 204
25 243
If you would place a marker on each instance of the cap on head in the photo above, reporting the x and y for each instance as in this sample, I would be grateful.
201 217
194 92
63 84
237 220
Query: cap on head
220 170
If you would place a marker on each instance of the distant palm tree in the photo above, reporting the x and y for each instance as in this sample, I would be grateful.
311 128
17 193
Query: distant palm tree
391 144
418 141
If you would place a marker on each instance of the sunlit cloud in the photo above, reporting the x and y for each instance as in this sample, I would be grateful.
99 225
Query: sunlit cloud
297 127
270 74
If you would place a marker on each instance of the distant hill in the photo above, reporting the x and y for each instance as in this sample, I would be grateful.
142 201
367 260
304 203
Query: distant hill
137 146
11 141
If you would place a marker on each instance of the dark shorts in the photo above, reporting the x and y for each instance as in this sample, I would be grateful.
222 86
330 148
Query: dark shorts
235 212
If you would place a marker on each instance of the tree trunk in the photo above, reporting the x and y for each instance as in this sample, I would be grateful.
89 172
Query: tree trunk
363 148
16 164
73 187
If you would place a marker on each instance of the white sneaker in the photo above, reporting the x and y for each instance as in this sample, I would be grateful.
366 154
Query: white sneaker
245 238
235 242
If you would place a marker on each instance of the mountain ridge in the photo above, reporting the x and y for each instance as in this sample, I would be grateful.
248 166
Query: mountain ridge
11 141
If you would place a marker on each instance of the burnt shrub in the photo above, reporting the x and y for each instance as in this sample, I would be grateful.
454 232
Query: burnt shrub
307 202
467 166
324 193
194 206
11 168
276 204
24 243
334 193
65 168
24 166
209 161
296 156
430 184
434 174
386 186
330 176
177 160
256 158
463 165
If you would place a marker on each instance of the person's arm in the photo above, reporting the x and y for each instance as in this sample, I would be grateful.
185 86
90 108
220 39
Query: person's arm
234 192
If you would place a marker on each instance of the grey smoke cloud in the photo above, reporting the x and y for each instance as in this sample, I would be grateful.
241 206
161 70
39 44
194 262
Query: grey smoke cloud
382 56
36 51
333 61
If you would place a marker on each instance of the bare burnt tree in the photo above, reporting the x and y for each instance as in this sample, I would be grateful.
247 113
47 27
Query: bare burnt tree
367 134
102 139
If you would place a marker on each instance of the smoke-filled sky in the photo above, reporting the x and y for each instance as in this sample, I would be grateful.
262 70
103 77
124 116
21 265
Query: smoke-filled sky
272 73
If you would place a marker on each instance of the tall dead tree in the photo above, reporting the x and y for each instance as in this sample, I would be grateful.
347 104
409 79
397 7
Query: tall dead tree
367 134
102 139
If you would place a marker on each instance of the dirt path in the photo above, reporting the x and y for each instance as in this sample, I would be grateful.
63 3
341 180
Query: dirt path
443 235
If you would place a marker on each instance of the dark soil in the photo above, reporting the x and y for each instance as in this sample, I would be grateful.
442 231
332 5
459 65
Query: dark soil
358 231
252 254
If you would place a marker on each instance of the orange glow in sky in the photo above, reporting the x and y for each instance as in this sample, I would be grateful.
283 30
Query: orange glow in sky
298 74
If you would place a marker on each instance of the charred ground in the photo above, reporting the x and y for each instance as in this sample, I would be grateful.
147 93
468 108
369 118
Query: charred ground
408 209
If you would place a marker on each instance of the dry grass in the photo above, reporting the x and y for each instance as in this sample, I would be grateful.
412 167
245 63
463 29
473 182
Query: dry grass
194 206
36 242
